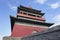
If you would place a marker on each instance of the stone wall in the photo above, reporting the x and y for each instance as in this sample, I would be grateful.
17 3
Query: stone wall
11 38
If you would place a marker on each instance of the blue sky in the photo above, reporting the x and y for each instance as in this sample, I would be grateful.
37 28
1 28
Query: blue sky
51 8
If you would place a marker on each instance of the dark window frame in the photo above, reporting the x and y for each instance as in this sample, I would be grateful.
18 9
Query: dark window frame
32 15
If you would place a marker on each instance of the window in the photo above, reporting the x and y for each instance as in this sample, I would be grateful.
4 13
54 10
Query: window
25 13
20 12
31 15
39 16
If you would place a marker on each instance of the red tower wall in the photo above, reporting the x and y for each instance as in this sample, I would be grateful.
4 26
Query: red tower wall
24 30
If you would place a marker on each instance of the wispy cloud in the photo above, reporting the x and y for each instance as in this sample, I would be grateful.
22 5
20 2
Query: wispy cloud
56 20
0 38
14 8
55 5
41 1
